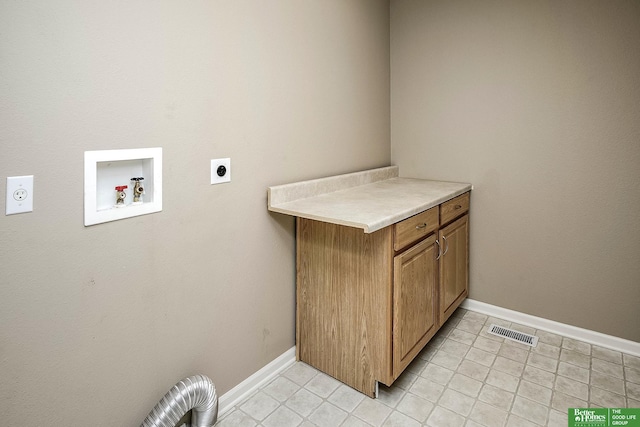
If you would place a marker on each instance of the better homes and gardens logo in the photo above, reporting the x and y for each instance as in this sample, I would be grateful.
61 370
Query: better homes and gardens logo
604 417
596 417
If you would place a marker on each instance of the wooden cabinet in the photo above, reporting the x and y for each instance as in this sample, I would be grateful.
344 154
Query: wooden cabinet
454 262
344 296
415 309
367 303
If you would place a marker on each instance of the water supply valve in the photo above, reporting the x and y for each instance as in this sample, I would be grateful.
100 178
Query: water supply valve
120 195
138 189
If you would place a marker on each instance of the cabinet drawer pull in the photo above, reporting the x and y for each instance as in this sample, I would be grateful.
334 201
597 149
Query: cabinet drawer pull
458 207
439 250
421 226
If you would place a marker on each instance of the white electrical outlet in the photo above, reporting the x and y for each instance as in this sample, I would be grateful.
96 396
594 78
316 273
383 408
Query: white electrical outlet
19 194
220 171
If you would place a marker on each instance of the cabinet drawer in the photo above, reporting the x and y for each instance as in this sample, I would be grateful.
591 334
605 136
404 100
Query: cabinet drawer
415 227
454 208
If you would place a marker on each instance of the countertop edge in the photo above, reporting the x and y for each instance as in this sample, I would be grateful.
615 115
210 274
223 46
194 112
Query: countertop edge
375 226
331 220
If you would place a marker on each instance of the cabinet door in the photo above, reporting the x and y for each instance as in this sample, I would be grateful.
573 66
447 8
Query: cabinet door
414 302
454 266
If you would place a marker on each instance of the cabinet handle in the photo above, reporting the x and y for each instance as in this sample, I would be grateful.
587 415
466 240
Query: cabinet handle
439 250
421 226
446 247
458 207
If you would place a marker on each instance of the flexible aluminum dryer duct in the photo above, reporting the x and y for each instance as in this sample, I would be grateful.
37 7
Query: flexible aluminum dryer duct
197 393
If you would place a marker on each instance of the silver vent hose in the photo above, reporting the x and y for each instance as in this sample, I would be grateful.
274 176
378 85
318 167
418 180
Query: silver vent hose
197 393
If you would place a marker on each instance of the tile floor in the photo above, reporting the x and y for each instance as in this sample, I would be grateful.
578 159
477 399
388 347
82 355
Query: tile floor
463 377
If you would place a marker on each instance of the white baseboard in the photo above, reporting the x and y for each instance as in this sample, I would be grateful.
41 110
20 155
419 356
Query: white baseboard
255 381
586 335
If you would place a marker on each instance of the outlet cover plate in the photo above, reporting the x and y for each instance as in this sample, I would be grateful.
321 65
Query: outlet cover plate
19 194
215 164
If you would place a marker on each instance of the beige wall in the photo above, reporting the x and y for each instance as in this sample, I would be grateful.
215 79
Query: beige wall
97 323
537 103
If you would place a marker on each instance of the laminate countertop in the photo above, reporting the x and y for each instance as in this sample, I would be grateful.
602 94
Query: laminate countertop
370 200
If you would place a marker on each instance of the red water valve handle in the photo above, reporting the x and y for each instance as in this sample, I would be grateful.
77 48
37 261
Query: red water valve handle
121 187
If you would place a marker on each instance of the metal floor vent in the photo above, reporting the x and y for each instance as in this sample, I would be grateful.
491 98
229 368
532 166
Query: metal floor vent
514 335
